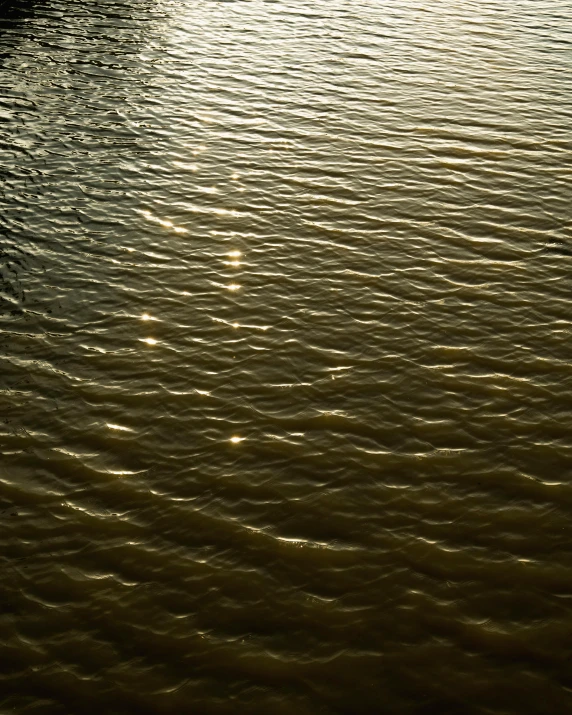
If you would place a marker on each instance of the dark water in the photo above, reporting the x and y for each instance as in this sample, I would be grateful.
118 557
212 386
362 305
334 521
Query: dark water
285 408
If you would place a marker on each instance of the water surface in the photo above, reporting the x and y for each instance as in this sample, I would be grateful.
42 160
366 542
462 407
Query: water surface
285 405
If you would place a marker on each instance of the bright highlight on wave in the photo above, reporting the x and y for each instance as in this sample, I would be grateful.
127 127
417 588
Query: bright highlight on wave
235 256
188 167
236 440
149 341
242 325
118 427
167 224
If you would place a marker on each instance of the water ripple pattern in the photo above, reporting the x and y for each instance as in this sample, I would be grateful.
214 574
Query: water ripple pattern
285 397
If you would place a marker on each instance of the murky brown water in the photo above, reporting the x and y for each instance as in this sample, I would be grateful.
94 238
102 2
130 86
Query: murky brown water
285 409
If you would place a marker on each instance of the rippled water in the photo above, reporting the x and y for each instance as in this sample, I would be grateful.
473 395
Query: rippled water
285 408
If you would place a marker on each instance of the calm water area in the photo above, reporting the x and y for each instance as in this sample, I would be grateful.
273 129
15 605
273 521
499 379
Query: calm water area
285 357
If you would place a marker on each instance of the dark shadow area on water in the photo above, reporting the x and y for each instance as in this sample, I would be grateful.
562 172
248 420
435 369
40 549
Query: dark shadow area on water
15 11
12 258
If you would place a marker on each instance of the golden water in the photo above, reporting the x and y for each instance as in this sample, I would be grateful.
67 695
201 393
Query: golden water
285 410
